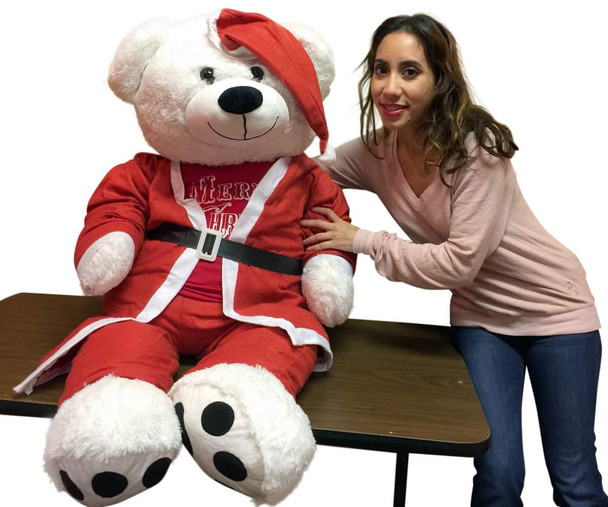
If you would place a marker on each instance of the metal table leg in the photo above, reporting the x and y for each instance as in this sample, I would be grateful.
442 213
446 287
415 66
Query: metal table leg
400 479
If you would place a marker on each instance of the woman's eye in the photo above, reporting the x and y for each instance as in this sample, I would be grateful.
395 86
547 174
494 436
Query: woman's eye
207 75
257 73
410 72
379 70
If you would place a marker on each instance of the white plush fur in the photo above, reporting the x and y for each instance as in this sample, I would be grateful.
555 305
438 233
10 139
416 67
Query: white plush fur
278 425
106 263
133 54
327 285
114 424
113 416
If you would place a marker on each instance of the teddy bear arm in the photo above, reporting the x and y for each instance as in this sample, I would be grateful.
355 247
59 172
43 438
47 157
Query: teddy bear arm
114 226
327 278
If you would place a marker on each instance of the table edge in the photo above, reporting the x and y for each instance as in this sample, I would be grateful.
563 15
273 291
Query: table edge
323 437
400 444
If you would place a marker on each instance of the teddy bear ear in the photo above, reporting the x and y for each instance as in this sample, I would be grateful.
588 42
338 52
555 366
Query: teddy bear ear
319 52
132 56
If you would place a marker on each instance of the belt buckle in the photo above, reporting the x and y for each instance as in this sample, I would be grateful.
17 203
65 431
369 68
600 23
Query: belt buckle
208 245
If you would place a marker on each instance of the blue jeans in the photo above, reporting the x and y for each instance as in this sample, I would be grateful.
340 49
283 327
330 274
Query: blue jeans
564 373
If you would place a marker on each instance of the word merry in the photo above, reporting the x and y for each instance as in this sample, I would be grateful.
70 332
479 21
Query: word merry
206 191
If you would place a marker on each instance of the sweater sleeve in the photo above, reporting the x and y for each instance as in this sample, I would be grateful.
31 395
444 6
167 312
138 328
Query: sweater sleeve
481 204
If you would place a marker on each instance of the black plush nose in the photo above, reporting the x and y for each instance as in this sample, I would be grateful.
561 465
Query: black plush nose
240 99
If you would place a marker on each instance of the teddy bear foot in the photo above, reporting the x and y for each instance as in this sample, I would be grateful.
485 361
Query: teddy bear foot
244 429
112 440
97 484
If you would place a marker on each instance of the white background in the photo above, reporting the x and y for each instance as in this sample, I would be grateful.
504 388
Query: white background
538 67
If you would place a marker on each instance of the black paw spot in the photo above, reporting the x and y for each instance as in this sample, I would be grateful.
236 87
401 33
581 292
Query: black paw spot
179 409
109 484
70 487
156 472
217 418
230 466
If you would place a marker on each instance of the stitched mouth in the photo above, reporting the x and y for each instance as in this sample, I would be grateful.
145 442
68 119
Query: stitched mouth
244 138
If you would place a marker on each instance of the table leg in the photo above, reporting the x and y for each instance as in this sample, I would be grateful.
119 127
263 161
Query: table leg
400 479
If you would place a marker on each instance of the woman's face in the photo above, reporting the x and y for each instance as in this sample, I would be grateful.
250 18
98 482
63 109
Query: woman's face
402 81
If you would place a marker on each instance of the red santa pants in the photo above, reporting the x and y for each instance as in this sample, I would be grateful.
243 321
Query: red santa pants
187 327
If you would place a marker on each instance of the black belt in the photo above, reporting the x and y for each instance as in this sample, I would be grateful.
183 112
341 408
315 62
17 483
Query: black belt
210 244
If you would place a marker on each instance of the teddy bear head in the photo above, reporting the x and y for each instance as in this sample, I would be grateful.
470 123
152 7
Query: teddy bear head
225 88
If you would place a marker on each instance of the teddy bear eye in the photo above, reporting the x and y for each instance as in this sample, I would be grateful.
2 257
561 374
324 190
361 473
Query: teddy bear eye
258 73
207 75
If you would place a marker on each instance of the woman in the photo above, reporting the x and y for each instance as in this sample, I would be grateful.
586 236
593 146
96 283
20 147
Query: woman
520 300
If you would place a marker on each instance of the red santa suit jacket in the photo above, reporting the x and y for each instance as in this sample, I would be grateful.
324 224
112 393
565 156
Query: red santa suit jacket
147 192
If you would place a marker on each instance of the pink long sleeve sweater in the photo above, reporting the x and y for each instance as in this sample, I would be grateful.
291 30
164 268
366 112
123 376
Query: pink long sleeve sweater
479 239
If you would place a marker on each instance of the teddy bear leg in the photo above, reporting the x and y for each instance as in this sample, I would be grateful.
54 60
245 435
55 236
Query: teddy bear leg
239 417
116 436
244 429
113 439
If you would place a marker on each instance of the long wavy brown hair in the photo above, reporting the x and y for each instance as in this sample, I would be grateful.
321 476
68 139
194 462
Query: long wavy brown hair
451 114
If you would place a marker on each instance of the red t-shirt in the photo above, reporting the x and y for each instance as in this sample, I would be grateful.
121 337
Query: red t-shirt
222 193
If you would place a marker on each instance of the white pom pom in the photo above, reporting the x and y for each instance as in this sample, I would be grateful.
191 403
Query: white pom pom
328 158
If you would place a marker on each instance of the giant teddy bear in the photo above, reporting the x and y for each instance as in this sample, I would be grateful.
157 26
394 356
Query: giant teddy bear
198 252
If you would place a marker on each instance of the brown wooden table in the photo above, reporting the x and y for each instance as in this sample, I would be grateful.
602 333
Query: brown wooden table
393 387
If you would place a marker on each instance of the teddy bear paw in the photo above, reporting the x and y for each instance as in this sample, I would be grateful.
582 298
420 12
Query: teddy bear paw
98 483
106 263
327 285
244 429
112 440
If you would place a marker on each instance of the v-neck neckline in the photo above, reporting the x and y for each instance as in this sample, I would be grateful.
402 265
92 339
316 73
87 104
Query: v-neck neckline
415 200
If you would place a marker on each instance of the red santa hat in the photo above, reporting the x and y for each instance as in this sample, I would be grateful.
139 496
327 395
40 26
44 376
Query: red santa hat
278 49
